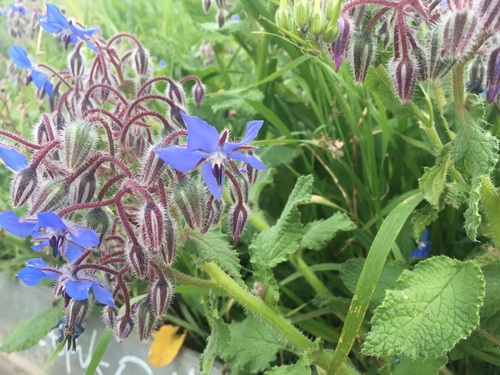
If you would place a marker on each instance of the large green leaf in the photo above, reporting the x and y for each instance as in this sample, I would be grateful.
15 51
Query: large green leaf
217 343
431 309
432 182
299 368
317 234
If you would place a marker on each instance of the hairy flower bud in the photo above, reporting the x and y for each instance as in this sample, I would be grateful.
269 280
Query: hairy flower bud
59 120
152 223
141 58
206 5
237 219
168 247
459 33
138 259
146 319
438 66
176 117
85 188
302 13
54 99
198 94
98 220
160 295
52 196
110 313
77 64
362 55
221 18
24 184
123 327
420 64
493 74
404 77
153 166
383 35
476 76
218 207
333 9
282 18
317 24
175 93
77 311
338 49
79 140
189 196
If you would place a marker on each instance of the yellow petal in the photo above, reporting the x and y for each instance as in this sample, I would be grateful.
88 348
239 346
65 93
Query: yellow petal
166 345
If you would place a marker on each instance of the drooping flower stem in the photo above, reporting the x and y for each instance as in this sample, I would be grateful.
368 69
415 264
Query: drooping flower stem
124 35
108 184
20 140
236 186
172 136
107 87
109 133
48 126
40 155
153 80
86 206
123 135
104 112
56 74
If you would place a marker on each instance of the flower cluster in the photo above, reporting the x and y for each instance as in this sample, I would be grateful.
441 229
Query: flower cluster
107 194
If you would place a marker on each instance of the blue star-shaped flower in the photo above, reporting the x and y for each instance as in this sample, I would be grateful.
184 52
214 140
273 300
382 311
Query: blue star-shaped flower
18 8
54 22
20 58
205 146
423 247
12 158
3 11
65 240
76 287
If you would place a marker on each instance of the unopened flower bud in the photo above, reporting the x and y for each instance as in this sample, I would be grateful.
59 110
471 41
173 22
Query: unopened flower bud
383 35
476 76
141 58
282 18
404 79
79 140
59 120
160 296
189 196
54 99
152 223
98 220
333 10
420 64
138 259
207 220
317 24
198 94
221 4
123 327
77 312
206 5
146 319
493 74
52 196
153 165
110 313
330 33
24 184
176 117
77 64
237 219
338 49
175 93
221 18
302 13
168 247
218 207
459 33
85 188
362 55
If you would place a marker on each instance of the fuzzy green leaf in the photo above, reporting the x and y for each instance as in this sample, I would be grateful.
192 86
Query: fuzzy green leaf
431 309
472 216
28 332
432 182
213 247
299 368
317 234
422 218
217 343
253 345
418 366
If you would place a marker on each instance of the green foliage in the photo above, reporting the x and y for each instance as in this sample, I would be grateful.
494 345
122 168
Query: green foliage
432 182
431 309
218 342
472 216
317 234
417 366
301 367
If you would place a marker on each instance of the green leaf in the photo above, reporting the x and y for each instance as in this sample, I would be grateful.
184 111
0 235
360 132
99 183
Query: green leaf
253 345
474 151
274 156
454 195
417 366
213 246
491 304
422 218
432 182
28 332
431 309
351 270
273 246
300 368
317 234
217 343
99 351
472 216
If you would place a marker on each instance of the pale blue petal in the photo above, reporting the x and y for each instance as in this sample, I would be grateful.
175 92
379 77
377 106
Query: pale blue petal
54 16
19 57
253 128
78 290
249 159
201 135
102 294
41 246
211 181
180 158
31 275
49 27
50 220
12 158
84 237
39 78
13 224
72 252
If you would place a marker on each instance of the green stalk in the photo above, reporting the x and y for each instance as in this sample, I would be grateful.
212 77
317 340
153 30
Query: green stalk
491 207
189 280
458 85
262 57
441 102
309 275
258 222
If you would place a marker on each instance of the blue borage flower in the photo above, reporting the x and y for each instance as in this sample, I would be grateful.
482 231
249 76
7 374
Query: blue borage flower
205 147
20 58
65 240
12 158
423 247
19 8
54 22
76 287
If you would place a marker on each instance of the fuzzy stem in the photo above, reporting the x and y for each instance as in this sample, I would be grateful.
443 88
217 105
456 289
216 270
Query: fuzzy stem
147 97
361 2
39 156
20 140
86 206
114 160
108 184
189 280
491 207
104 112
48 126
128 124
109 133
151 81
236 186
97 267
174 135
72 177
309 275
126 35
195 78
56 74
105 86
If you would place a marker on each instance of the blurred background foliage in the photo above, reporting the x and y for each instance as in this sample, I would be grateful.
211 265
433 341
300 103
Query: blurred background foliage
365 152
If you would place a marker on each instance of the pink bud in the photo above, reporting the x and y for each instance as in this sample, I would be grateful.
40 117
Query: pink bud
153 165
338 49
138 259
160 295
168 247
110 313
146 320
152 222
404 79
176 93
141 58
123 327
198 94
23 186
237 219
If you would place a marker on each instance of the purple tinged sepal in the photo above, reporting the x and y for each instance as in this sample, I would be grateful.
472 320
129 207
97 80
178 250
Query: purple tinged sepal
138 259
493 74
189 196
51 197
123 327
160 295
338 49
76 64
221 18
242 186
110 314
175 92
98 220
146 319
176 118
24 184
198 93
362 55
404 77
76 312
79 140
237 219
54 99
152 224
383 35
168 247
85 188
206 5
153 166
141 59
